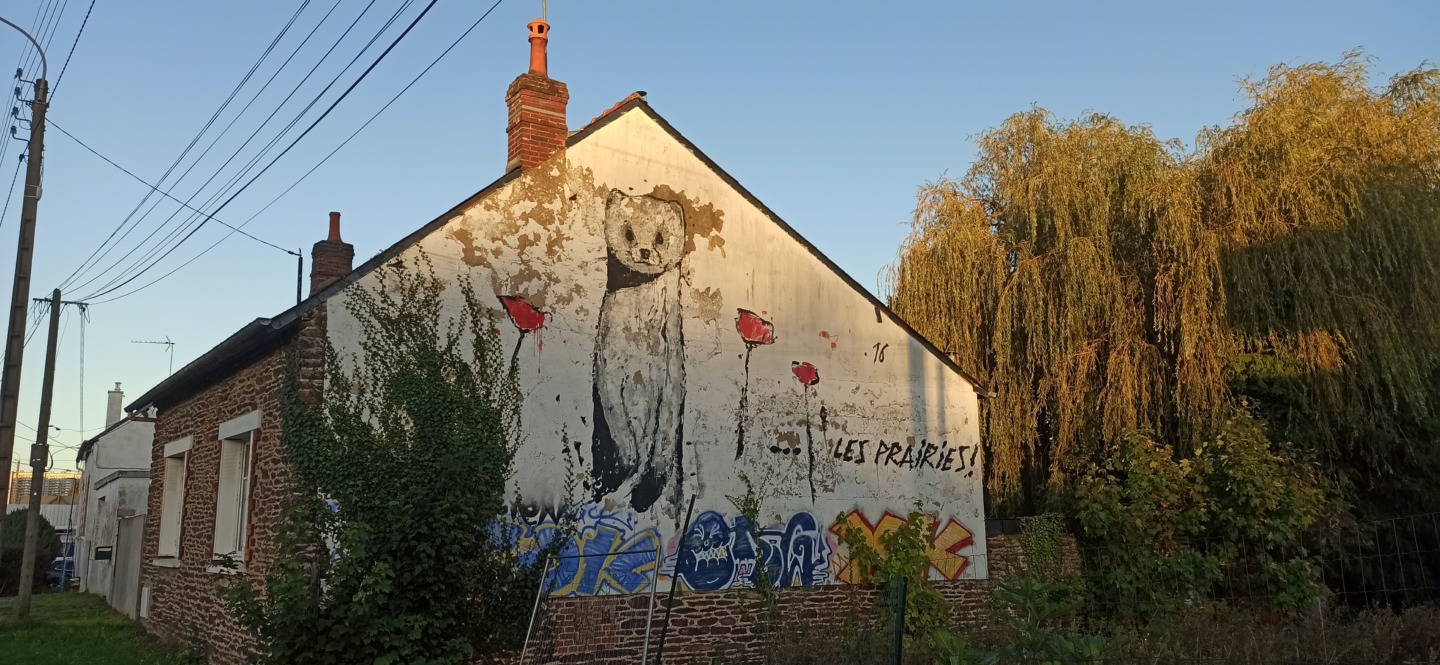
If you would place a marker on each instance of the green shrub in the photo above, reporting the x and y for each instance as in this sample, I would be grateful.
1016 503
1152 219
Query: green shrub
1230 518
413 442
47 548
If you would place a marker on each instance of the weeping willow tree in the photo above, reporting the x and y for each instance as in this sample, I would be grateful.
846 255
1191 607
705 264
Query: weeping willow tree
1102 281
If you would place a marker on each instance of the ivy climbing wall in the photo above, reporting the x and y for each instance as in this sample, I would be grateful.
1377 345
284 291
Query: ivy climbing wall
674 341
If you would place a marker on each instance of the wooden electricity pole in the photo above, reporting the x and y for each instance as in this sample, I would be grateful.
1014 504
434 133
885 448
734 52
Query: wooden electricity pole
39 459
24 255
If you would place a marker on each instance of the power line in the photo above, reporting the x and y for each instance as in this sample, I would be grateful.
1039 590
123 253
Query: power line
55 25
64 429
61 77
327 157
37 28
35 325
162 192
287 149
116 265
21 63
193 141
11 191
168 243
119 271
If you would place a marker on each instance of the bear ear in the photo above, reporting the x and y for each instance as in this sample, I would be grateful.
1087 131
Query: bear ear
675 207
615 197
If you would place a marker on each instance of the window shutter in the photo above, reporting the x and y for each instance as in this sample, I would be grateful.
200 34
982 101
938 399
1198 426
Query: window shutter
227 514
242 494
171 507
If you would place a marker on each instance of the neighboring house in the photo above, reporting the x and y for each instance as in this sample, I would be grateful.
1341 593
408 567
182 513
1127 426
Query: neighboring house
114 493
691 338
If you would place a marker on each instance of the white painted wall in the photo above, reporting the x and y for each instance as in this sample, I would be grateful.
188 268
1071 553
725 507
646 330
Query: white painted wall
118 454
547 238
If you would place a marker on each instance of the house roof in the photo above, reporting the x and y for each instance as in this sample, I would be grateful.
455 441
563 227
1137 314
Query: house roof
89 444
261 336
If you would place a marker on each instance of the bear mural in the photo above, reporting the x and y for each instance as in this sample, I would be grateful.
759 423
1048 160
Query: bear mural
640 353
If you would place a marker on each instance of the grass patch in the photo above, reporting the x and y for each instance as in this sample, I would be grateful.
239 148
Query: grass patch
76 629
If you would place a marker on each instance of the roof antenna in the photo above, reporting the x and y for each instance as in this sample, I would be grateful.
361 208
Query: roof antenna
169 349
544 12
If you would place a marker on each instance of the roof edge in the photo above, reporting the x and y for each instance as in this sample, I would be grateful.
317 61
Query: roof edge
880 307
216 364
219 362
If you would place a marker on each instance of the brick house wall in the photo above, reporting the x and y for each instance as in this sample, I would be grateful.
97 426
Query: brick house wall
183 604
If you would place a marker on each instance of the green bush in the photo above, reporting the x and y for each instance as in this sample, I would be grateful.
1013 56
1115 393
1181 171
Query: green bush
1163 527
413 443
902 556
47 548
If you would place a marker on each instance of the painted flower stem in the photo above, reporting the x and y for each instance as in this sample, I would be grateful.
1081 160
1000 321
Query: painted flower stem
515 357
744 399
809 443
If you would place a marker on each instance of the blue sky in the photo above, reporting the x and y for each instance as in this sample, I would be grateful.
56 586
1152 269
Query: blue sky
832 113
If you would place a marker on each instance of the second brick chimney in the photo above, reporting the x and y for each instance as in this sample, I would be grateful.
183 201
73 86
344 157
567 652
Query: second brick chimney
331 258
537 127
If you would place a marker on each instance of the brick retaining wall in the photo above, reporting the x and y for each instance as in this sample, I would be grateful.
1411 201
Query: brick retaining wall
732 626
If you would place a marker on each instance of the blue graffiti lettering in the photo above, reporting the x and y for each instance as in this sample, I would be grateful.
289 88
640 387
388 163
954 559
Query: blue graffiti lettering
608 553
717 554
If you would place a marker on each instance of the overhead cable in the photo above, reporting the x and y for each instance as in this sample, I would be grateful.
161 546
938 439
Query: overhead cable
323 160
73 44
52 123
104 246
303 134
118 272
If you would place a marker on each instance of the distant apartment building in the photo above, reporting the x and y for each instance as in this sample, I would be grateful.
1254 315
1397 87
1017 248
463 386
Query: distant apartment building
61 487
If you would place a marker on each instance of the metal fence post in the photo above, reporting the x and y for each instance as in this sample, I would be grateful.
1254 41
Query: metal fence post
539 592
650 612
674 580
900 620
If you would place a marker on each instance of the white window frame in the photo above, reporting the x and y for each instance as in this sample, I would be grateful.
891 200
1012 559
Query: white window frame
232 493
172 502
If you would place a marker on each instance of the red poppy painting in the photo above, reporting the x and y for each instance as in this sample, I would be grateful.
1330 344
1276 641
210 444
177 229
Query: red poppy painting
755 332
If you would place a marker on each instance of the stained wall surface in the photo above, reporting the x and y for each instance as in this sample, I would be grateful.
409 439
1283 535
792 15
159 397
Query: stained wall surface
115 471
674 341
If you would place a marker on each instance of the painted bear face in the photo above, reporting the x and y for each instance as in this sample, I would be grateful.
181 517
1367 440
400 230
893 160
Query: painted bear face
644 233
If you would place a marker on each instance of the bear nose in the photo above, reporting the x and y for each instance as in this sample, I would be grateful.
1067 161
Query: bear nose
645 253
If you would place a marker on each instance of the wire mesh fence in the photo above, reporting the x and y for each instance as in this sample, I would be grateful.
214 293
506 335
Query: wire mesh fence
1366 593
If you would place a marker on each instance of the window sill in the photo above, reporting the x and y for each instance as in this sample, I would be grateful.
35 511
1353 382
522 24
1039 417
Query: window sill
166 562
218 568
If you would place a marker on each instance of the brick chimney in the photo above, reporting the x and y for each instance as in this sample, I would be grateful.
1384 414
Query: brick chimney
331 258
537 108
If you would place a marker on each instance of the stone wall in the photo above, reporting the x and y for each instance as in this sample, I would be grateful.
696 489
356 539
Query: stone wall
183 605
732 626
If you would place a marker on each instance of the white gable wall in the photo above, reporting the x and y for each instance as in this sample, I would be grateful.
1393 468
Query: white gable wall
885 432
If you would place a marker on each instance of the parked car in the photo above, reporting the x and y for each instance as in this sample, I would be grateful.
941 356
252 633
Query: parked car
62 567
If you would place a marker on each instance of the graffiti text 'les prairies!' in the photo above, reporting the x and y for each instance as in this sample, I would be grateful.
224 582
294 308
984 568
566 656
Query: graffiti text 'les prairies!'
906 455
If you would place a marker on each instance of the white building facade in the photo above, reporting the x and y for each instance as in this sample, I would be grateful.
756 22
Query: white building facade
115 487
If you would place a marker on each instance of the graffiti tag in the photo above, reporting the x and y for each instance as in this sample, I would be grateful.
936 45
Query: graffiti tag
720 553
907 454
609 553
943 551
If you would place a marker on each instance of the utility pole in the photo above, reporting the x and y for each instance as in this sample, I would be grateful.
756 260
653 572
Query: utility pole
39 458
24 254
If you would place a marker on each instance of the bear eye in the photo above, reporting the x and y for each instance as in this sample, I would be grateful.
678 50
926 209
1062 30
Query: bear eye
659 239
629 235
